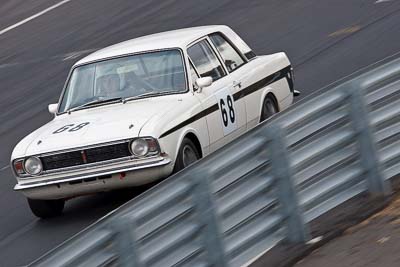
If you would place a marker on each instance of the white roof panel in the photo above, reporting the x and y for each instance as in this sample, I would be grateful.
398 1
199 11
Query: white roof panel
170 39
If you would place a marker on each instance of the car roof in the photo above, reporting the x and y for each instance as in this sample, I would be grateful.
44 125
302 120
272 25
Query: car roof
171 39
164 40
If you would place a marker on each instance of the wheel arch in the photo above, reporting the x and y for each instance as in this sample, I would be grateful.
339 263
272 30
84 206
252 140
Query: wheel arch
191 134
192 137
273 97
270 94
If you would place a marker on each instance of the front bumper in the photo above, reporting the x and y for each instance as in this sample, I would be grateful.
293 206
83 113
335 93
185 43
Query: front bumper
96 179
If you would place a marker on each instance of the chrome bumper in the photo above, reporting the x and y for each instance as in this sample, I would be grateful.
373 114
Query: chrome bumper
91 173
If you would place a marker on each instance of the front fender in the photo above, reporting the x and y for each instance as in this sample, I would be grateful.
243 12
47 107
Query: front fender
171 143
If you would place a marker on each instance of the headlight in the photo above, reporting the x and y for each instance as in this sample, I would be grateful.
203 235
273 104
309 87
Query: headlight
33 165
139 147
142 147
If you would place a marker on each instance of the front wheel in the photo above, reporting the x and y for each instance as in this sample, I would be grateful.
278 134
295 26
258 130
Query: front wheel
268 109
46 208
187 155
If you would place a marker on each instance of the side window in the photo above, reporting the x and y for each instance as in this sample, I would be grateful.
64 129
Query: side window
231 57
205 61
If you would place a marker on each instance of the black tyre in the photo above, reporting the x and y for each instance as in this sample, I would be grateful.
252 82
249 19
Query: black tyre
46 208
187 154
269 108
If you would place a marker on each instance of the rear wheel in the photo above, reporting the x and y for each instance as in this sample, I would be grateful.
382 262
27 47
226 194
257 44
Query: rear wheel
269 108
46 208
187 154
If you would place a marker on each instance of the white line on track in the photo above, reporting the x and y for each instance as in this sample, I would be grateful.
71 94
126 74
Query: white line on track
34 16
76 54
4 168
382 1
63 57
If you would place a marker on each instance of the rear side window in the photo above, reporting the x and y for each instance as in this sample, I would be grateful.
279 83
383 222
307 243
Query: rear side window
231 57
205 61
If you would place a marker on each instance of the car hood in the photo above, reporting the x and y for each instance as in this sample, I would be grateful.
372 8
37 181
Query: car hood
92 126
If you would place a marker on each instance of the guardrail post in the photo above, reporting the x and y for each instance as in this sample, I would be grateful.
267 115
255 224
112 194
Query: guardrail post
281 170
368 153
126 242
205 212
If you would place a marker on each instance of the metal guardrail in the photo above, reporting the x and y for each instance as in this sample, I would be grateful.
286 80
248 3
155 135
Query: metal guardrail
242 200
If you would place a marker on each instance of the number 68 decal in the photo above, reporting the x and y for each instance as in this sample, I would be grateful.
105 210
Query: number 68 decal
228 113
231 110
71 128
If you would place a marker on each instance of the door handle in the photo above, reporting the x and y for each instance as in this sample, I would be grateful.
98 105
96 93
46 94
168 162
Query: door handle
237 84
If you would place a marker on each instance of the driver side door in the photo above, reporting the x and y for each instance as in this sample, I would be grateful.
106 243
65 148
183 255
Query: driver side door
216 99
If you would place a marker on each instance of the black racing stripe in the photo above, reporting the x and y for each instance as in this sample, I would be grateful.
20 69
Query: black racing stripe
283 73
194 118
262 83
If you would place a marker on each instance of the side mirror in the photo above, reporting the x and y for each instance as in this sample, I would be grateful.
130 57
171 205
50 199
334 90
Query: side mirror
204 82
53 108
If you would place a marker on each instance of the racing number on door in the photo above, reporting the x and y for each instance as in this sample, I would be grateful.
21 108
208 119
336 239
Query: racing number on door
71 128
228 113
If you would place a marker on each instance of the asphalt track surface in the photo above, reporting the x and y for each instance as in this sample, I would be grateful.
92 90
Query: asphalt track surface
325 40
373 242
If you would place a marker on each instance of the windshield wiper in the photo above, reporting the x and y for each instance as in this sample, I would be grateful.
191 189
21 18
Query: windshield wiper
142 95
96 102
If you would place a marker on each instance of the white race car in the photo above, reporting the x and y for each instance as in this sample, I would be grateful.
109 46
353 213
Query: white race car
140 110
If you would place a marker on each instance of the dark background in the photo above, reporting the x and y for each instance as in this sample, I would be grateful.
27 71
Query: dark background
325 40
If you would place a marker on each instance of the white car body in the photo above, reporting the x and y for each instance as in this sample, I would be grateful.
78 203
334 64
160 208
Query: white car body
195 114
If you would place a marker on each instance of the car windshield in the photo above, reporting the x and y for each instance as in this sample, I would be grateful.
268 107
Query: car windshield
128 77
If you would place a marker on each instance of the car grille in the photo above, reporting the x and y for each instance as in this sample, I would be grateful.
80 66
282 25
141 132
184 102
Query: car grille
85 156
